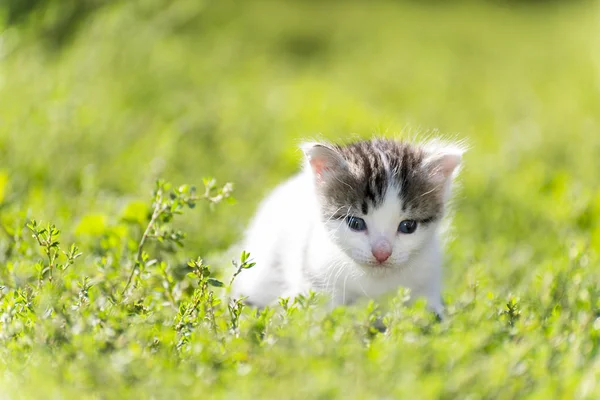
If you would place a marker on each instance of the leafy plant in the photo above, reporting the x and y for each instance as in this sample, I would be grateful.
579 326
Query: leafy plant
47 239
166 204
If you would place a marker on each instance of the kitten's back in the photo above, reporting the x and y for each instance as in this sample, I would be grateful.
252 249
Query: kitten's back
282 222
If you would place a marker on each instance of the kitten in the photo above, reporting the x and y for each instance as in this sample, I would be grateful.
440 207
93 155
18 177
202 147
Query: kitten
359 220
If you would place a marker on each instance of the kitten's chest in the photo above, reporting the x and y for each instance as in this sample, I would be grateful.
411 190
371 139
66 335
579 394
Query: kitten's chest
346 282
332 272
376 285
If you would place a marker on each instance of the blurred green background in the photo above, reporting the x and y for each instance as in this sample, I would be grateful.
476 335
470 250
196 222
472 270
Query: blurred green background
100 98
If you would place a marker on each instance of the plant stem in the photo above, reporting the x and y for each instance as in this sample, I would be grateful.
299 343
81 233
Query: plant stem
157 213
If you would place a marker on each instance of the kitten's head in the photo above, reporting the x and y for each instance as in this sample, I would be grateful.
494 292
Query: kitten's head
382 200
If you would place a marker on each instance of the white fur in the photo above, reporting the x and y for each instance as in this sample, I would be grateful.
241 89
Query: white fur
295 251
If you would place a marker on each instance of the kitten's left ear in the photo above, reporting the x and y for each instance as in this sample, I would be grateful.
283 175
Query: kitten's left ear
323 159
442 163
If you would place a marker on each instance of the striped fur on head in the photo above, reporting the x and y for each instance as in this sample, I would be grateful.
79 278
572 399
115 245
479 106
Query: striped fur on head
354 179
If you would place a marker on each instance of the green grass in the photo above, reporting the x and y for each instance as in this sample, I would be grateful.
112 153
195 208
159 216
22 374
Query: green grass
149 89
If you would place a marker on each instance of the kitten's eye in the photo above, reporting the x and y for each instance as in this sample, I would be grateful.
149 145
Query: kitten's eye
407 226
356 224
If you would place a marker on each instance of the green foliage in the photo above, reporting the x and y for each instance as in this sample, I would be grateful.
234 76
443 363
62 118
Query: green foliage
53 22
47 239
121 302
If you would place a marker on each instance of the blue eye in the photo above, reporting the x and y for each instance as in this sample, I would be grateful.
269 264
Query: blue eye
356 224
407 226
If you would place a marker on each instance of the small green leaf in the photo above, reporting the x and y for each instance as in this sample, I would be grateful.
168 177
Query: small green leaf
215 282
248 265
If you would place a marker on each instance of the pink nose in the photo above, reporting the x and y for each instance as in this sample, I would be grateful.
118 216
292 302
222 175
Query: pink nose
382 252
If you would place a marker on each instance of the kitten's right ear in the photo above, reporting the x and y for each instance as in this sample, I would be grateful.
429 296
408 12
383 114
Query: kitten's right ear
443 160
323 160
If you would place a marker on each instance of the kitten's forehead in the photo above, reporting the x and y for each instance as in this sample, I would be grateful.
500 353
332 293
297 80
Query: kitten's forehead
374 168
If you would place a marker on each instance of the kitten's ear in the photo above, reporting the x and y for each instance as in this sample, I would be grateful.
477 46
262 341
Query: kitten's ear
323 159
442 162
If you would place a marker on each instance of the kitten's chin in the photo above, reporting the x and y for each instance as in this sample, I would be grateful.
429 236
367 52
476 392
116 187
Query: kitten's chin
378 271
375 267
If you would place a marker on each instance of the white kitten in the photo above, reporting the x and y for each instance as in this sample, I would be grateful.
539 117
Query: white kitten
359 220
